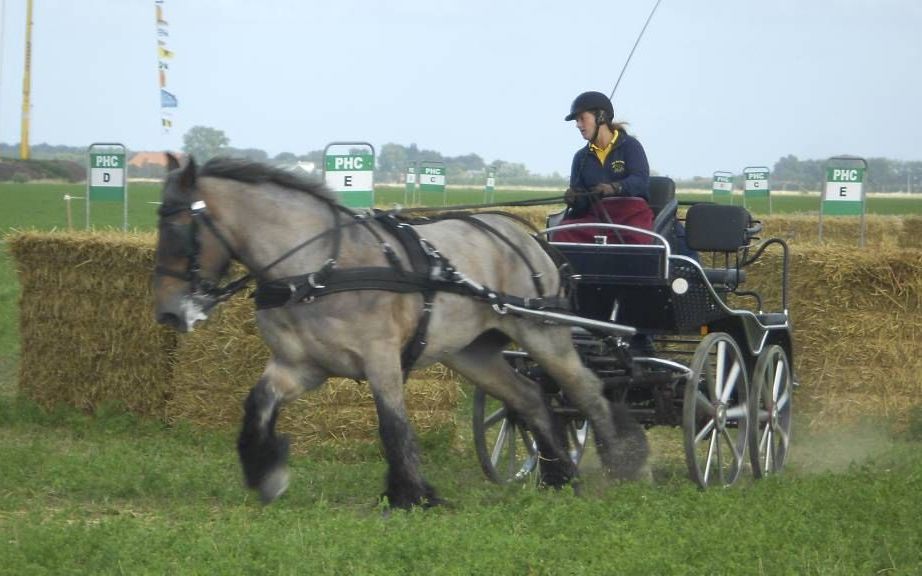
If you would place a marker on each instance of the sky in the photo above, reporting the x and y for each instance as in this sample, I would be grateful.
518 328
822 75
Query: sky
713 84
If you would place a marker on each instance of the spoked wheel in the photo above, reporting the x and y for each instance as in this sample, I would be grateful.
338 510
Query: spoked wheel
716 412
770 434
505 448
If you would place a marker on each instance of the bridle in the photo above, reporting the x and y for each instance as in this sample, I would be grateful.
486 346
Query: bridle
192 247
209 288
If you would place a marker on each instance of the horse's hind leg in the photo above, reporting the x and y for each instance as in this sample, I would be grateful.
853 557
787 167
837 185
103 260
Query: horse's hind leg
621 441
406 486
482 363
263 454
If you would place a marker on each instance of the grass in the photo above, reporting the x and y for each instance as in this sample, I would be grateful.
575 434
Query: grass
109 494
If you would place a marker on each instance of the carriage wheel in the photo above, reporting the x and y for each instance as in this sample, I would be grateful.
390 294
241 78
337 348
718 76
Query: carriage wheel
770 434
505 448
716 412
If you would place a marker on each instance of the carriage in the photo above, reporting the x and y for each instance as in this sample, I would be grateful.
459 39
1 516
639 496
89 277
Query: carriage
721 372
373 295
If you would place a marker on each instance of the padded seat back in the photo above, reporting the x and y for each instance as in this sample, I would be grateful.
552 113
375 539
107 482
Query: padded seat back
716 227
662 193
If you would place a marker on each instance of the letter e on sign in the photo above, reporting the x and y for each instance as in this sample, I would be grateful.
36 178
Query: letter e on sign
347 180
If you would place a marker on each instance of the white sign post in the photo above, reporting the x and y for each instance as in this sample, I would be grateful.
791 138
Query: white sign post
843 194
722 188
432 179
757 184
106 179
349 170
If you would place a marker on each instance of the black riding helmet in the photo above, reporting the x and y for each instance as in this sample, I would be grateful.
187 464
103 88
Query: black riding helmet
591 101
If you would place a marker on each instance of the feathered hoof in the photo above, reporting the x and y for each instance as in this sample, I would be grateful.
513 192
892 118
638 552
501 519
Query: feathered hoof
403 500
273 485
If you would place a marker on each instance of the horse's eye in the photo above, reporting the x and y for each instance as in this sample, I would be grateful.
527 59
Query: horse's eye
176 238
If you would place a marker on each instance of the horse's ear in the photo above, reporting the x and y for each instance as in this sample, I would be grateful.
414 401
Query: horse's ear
172 163
187 177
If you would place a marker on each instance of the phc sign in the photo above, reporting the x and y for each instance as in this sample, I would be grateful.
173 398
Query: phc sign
106 179
844 191
756 184
722 186
843 194
107 173
432 181
349 170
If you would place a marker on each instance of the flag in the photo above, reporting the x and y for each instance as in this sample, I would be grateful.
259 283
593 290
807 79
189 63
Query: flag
160 19
164 54
167 100
162 32
162 79
166 122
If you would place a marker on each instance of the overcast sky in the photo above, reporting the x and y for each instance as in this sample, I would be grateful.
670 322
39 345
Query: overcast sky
713 85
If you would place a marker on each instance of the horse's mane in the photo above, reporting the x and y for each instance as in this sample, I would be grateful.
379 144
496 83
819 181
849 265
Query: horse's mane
243 170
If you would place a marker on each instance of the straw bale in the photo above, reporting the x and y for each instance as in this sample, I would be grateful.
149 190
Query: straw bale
911 232
85 321
857 319
799 229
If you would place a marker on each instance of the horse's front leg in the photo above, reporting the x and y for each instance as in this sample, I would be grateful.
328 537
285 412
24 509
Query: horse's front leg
263 454
406 486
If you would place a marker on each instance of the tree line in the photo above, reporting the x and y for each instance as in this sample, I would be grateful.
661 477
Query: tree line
202 142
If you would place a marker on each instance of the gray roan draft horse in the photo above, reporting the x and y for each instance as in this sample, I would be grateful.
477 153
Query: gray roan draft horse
368 297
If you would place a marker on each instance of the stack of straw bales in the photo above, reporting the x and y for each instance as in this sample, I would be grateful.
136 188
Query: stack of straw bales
86 321
857 318
88 337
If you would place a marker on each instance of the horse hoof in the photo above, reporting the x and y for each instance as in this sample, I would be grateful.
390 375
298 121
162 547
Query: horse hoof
274 485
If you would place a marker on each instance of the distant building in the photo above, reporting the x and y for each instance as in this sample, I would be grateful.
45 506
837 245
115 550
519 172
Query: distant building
152 158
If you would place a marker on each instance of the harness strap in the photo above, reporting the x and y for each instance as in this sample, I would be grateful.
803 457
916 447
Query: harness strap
417 344
305 288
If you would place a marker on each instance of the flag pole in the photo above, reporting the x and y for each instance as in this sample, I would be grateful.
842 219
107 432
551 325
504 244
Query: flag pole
26 86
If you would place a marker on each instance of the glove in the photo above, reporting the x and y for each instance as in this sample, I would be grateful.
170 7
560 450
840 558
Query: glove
607 189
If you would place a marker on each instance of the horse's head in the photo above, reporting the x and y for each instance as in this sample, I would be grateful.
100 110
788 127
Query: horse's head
191 255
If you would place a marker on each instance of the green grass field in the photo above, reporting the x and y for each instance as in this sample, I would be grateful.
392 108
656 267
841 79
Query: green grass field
110 494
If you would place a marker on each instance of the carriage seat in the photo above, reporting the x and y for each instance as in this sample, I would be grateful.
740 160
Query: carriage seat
663 203
722 229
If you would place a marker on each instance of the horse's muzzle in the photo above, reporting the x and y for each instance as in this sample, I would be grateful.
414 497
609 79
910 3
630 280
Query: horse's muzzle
182 315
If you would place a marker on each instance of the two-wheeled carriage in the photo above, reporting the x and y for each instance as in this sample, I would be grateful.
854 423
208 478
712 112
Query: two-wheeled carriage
720 371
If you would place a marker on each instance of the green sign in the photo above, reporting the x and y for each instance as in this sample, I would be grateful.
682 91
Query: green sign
411 180
432 178
352 174
844 192
489 189
723 184
756 183
431 182
107 176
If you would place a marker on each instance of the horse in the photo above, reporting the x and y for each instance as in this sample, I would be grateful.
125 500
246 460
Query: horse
343 293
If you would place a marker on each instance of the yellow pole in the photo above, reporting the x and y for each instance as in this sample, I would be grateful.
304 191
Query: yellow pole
26 86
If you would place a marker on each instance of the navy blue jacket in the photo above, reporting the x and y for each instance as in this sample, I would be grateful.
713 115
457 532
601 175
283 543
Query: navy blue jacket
626 163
